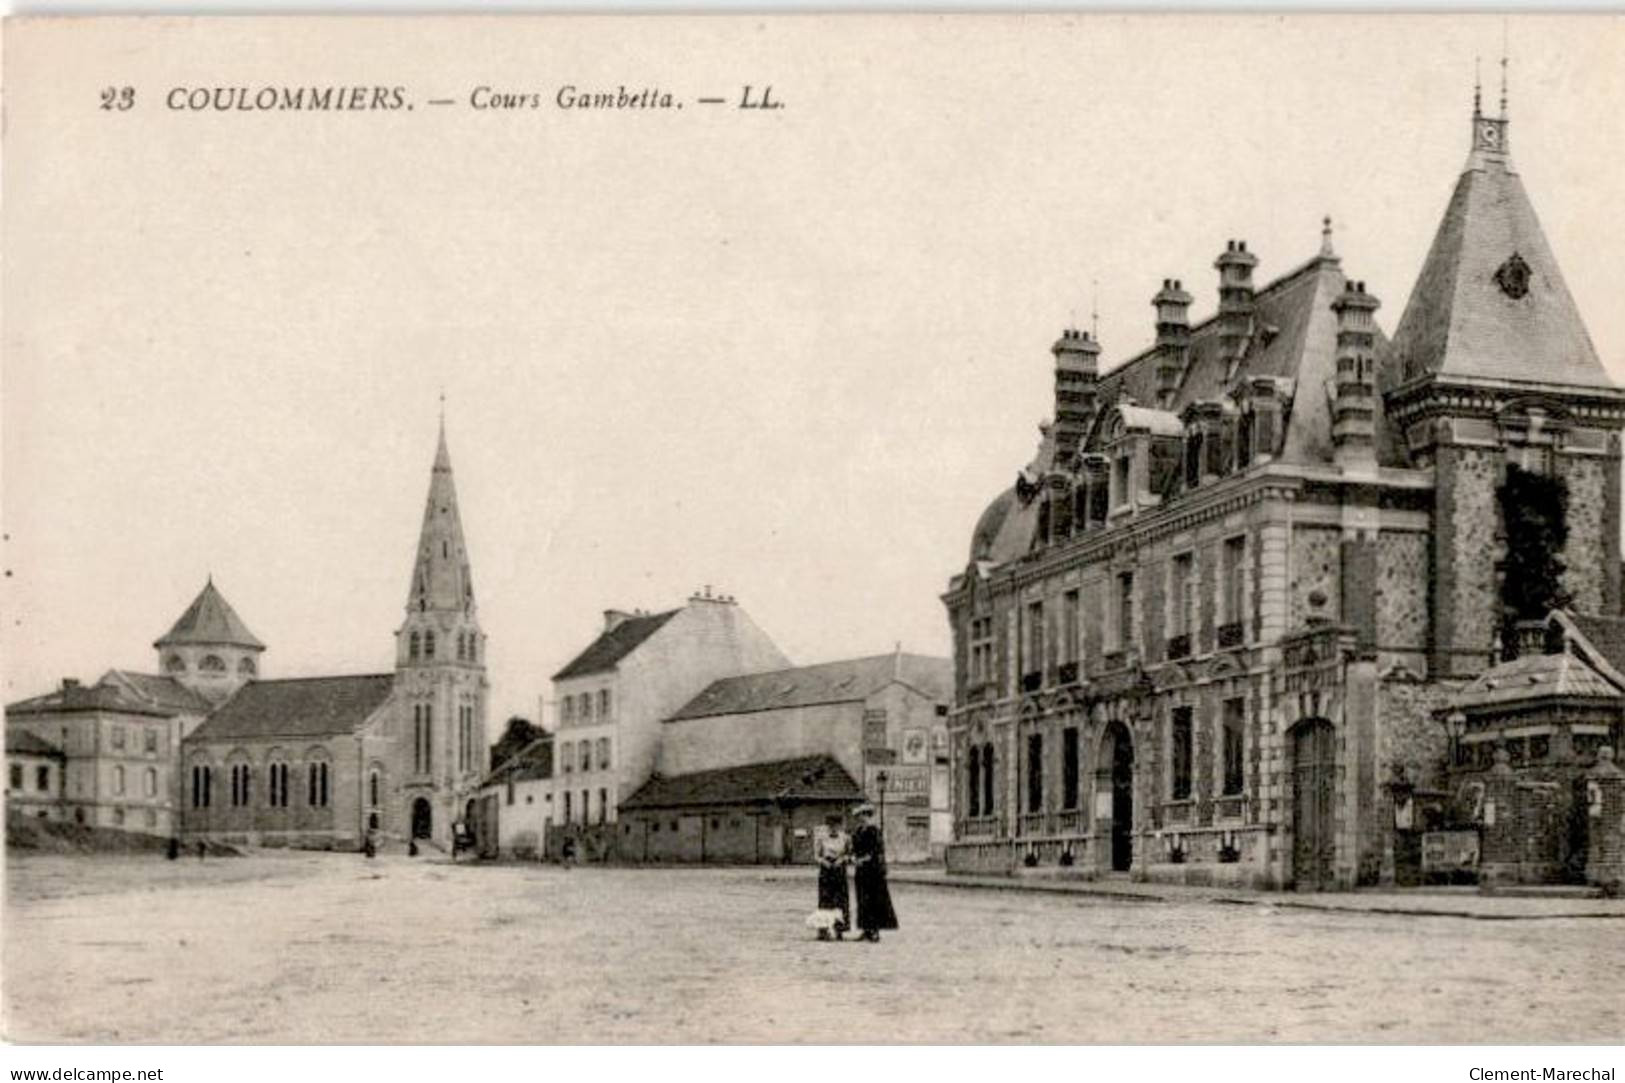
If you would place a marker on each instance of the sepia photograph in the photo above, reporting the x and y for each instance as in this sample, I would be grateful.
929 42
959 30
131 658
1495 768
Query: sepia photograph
831 530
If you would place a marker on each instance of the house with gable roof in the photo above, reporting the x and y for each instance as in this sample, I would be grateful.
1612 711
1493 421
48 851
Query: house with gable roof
610 700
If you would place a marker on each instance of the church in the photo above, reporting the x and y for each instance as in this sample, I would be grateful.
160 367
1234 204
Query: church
319 761
1261 583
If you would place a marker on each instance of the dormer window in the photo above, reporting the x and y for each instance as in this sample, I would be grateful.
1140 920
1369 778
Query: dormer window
1122 472
1244 439
212 663
1194 447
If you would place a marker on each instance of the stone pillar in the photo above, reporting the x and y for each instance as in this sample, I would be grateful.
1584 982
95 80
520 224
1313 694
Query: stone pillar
1605 812
1500 848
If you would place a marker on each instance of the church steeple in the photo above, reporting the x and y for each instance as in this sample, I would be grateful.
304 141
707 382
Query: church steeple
440 667
441 617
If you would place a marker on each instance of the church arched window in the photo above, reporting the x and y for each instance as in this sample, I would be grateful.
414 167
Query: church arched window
242 777
276 779
372 788
317 794
175 664
428 644
202 785
212 663
412 649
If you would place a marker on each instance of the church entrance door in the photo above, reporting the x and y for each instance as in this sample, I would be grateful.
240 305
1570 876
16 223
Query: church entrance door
1314 844
422 819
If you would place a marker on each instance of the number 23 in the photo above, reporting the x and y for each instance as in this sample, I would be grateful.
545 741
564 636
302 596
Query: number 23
120 98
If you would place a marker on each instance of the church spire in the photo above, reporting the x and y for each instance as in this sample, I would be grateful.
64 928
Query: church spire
440 574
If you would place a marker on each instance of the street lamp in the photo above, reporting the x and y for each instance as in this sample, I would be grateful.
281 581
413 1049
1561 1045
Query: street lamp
1455 725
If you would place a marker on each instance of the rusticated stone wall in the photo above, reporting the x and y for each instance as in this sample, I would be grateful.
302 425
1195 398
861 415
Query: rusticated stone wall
1402 598
1586 553
1467 599
1317 560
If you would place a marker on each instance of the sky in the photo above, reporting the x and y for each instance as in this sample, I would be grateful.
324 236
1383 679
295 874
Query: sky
790 355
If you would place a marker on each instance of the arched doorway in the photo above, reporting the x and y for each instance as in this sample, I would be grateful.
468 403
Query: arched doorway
1314 772
422 819
1114 789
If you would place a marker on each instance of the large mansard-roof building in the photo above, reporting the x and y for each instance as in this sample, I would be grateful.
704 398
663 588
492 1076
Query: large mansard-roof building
1212 628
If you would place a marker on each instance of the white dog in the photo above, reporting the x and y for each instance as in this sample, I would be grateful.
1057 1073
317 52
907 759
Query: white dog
825 922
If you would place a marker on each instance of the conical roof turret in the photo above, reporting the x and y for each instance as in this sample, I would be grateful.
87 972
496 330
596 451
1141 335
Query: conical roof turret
210 620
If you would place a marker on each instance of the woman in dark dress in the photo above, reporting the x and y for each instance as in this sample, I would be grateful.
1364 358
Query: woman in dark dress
869 858
834 852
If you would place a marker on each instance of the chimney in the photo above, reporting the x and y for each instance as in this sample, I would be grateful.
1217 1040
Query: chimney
614 618
1532 638
70 684
1235 266
1077 371
1354 430
1173 307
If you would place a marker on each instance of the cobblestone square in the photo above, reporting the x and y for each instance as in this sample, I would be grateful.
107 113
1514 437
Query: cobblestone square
334 948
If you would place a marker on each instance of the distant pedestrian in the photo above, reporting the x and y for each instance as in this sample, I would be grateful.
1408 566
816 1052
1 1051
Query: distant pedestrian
412 848
567 853
174 849
869 858
369 844
833 851
202 850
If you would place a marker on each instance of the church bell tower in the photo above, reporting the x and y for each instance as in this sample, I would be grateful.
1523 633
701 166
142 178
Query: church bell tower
440 670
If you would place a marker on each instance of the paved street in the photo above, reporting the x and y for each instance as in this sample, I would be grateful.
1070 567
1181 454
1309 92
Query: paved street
332 948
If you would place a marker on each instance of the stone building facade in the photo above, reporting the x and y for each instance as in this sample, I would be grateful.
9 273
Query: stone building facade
1218 616
34 768
119 742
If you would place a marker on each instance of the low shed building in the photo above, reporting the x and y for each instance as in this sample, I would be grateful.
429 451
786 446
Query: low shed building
761 813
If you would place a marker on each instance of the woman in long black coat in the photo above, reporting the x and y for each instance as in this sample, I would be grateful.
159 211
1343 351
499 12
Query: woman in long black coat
869 877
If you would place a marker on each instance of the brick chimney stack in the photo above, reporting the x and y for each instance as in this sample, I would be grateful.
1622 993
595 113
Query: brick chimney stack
1354 433
1173 307
1077 371
1235 266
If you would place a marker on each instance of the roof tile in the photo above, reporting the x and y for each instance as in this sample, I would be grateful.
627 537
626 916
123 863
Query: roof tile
831 682
614 644
809 778
307 707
